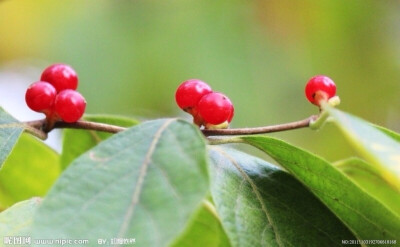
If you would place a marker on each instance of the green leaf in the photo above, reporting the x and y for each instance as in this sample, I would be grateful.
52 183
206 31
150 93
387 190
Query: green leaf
142 183
388 132
29 171
204 229
17 220
367 177
366 217
377 147
260 205
76 142
10 130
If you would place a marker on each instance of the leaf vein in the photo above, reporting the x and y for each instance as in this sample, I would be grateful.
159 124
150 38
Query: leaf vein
142 174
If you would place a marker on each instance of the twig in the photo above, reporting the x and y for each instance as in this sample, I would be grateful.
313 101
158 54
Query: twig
38 127
261 130
90 126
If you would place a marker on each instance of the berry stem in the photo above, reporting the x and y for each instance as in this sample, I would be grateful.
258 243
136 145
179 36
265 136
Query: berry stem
40 132
319 122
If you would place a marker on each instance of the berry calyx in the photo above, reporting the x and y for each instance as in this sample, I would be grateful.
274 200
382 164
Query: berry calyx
320 88
189 94
215 108
70 105
223 125
40 96
61 76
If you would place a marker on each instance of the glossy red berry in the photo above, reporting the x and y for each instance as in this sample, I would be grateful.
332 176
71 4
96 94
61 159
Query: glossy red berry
215 108
190 92
70 105
232 113
322 84
40 96
61 76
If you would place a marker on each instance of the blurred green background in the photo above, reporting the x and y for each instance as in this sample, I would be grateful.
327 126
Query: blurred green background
131 56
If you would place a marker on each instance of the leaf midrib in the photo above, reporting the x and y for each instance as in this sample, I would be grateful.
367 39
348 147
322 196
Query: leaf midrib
139 184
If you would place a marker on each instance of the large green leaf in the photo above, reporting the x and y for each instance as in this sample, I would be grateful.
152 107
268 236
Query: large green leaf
368 178
204 229
366 217
29 171
142 183
376 146
76 142
17 220
260 205
10 130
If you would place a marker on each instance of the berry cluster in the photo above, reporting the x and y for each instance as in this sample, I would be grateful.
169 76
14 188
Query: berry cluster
209 109
320 89
55 95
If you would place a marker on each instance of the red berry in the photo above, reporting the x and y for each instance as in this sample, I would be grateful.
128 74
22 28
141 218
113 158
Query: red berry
40 96
61 76
322 84
190 92
215 108
70 105
232 113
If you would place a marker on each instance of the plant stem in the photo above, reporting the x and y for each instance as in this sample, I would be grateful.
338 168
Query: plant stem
38 127
261 130
90 126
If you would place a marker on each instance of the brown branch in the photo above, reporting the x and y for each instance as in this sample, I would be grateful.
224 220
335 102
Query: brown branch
261 130
38 128
90 126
